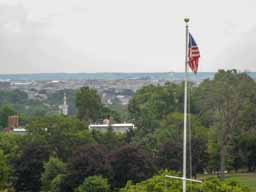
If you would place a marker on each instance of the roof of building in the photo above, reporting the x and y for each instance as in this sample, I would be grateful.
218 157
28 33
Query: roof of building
112 125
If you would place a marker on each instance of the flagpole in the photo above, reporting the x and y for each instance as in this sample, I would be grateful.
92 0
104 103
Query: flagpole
185 113
194 69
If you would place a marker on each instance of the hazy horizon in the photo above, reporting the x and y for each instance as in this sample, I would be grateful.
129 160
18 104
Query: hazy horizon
62 36
115 72
96 73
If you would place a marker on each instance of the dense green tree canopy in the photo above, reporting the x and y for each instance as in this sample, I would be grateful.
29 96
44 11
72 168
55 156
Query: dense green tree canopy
5 112
86 160
110 139
247 149
13 96
4 171
61 133
9 144
53 168
88 104
28 165
223 104
94 184
222 122
130 163
151 103
160 183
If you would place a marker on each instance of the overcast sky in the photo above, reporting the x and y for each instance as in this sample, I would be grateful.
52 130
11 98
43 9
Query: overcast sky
39 36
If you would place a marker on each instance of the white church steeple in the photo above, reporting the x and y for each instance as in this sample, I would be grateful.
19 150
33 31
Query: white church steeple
64 107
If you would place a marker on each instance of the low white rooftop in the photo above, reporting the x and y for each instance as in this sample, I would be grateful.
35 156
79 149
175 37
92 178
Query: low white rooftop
116 127
113 125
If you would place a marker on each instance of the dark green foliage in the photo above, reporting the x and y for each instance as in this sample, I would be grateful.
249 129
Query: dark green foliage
61 133
247 145
152 103
170 141
5 111
87 160
223 119
121 110
14 97
4 171
107 111
94 184
28 166
170 155
57 183
18 100
52 169
90 107
10 143
215 185
160 183
223 103
130 163
35 109
88 104
111 140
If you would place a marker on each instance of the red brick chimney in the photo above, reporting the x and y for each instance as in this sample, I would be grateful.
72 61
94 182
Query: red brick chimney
13 121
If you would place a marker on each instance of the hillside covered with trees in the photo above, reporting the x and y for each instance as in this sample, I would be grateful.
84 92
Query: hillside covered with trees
60 154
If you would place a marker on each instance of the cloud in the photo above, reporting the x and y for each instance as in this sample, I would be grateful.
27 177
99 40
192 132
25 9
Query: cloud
115 35
241 53
28 46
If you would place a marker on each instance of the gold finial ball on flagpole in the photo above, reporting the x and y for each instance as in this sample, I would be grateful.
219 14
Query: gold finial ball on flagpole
186 20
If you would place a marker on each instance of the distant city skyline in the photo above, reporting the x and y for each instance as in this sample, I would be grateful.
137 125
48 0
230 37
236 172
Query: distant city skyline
49 36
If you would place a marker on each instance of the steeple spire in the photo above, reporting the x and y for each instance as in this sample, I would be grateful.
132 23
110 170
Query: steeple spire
65 105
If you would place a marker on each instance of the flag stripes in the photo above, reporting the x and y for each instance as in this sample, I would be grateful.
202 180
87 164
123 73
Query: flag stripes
193 54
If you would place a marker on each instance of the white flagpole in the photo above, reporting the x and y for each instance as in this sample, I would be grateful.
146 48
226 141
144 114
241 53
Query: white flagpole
185 113
184 177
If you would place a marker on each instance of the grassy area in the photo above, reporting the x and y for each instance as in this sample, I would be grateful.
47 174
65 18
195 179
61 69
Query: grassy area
245 179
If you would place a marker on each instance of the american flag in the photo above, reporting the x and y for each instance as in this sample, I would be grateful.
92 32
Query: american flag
193 54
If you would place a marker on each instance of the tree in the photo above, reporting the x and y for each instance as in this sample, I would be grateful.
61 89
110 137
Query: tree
170 156
57 183
222 102
110 139
61 133
152 103
157 183
130 163
94 184
88 104
160 183
106 111
53 168
14 96
9 144
28 166
18 96
170 143
5 112
247 145
87 160
4 171
147 141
